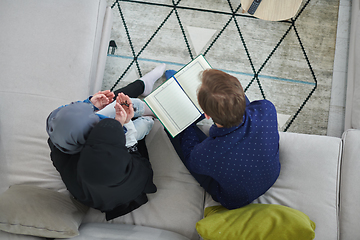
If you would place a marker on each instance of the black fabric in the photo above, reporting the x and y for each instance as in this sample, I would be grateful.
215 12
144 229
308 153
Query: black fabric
133 89
104 175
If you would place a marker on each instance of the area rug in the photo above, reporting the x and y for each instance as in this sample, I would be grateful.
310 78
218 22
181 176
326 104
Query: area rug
287 62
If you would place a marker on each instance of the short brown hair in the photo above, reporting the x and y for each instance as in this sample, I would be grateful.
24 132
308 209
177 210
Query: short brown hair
222 97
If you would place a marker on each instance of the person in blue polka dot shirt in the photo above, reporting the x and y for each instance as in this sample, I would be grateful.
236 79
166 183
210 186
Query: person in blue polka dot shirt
239 161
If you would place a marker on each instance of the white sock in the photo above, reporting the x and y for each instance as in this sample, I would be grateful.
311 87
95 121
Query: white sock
150 78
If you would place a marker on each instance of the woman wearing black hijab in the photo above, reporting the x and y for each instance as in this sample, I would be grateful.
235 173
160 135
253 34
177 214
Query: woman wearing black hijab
105 174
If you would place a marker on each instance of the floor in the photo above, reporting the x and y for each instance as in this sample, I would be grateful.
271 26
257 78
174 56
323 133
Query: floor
314 118
338 93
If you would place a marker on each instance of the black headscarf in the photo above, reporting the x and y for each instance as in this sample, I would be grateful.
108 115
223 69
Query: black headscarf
109 178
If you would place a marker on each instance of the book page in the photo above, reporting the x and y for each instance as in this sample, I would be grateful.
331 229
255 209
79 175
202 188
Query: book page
172 106
189 78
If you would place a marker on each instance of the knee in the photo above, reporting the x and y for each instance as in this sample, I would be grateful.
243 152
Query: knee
143 126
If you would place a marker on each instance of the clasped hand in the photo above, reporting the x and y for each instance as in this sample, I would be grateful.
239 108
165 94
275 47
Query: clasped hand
102 98
124 110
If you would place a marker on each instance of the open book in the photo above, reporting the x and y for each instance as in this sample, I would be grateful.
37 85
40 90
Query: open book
175 101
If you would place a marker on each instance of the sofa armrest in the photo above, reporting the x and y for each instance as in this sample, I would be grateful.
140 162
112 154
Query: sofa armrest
349 185
352 109
105 21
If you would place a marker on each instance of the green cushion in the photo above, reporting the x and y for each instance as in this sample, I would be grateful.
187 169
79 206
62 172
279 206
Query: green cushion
255 221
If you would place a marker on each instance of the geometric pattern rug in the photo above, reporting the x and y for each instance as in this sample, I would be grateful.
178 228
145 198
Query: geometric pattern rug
287 62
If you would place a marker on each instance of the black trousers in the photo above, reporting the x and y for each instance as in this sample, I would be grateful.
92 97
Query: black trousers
134 90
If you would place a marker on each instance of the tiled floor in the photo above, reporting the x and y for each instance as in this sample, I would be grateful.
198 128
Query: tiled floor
338 93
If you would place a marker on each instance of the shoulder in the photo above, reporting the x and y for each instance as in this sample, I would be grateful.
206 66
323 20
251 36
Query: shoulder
262 105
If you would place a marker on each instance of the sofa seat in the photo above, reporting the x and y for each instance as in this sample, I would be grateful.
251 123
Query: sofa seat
308 182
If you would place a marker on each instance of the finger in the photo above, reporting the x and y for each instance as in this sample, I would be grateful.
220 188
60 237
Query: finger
120 114
118 98
121 95
103 99
120 110
127 98
118 107
124 101
110 96
131 108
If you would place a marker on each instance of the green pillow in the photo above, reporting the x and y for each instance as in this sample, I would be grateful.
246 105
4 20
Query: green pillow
31 210
255 221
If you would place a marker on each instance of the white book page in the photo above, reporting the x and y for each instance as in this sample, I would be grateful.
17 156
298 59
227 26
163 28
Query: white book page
172 106
189 78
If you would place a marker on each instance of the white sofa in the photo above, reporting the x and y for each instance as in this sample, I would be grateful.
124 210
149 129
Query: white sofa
53 52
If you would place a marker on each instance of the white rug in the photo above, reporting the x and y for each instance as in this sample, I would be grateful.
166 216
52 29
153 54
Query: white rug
287 63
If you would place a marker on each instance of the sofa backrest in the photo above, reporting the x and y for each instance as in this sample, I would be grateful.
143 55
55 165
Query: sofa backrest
48 58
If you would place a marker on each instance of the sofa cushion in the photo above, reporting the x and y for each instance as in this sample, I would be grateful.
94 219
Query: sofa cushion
99 231
309 180
178 203
48 57
35 211
255 221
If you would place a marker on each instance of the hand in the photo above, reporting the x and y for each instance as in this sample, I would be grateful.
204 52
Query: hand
102 98
126 103
120 114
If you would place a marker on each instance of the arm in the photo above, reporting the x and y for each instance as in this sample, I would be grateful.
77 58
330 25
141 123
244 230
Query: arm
190 139
192 145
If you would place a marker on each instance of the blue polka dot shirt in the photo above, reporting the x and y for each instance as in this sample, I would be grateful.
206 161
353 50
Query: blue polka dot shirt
243 160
